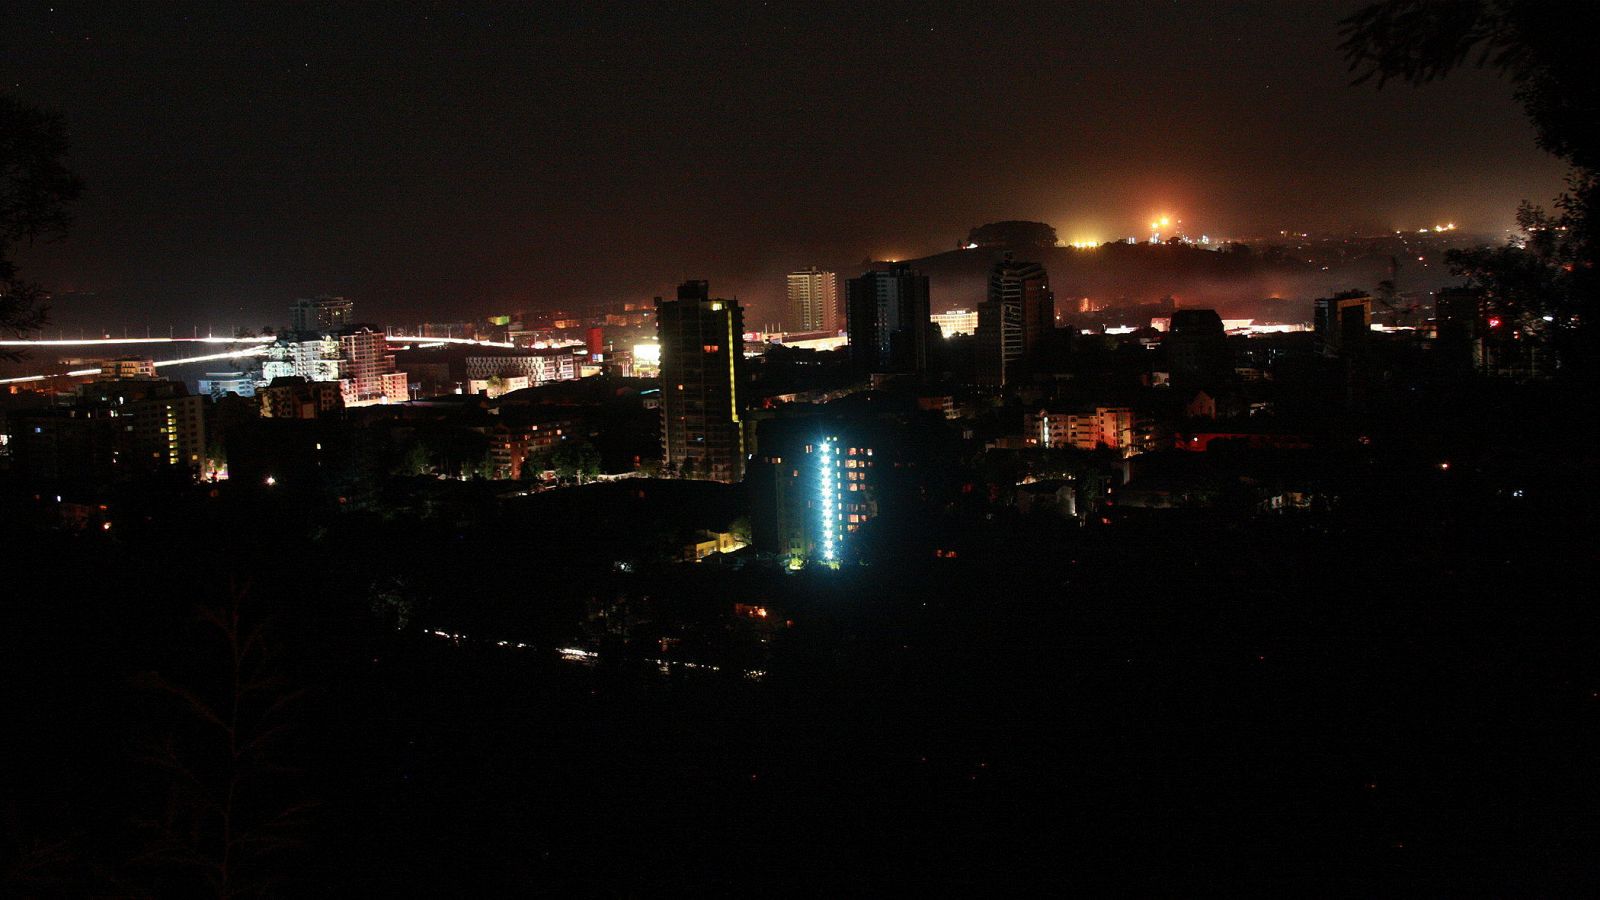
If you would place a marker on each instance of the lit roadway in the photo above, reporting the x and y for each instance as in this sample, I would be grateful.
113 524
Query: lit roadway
82 373
259 349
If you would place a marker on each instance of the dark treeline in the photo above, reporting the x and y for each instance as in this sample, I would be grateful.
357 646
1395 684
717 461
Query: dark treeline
1393 691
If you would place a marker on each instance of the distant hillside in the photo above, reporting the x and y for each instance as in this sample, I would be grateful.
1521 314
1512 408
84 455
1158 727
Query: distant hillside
1233 283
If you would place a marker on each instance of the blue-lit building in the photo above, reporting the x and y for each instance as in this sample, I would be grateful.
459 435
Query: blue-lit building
847 481
812 491
842 501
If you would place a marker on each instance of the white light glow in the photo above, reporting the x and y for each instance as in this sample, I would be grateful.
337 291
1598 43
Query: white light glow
400 338
89 342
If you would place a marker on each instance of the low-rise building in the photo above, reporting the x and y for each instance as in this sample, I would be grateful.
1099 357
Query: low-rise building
1107 426
538 365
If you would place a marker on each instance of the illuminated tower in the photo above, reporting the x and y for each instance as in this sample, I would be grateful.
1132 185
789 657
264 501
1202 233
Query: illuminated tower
842 502
702 375
889 323
1016 320
813 301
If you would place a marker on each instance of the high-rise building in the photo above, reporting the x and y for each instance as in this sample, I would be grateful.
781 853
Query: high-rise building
813 301
168 431
812 488
702 383
888 319
1015 321
321 314
369 373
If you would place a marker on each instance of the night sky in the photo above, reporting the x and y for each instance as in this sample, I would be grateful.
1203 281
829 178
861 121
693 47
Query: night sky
445 163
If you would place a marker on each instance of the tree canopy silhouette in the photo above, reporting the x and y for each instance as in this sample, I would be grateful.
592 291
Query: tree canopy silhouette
1544 49
36 192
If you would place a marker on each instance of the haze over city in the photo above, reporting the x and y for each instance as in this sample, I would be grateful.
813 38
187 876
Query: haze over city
456 161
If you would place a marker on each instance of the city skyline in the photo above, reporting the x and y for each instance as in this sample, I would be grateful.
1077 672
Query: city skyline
950 448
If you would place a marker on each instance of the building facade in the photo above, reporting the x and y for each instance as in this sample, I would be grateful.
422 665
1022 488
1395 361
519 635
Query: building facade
956 321
538 366
1196 344
117 428
217 384
1107 426
128 367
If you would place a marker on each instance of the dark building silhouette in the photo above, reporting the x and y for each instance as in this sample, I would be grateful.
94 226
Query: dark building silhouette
290 454
702 380
293 397
321 314
117 428
1196 343
889 320
1015 322
1342 321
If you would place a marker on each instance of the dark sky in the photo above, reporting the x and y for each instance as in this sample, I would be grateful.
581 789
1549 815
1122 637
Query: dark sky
447 162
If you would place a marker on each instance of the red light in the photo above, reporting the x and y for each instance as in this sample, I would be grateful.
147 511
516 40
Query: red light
1494 321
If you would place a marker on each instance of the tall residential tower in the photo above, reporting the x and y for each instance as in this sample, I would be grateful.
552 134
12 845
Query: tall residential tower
813 301
702 383
1016 320
889 321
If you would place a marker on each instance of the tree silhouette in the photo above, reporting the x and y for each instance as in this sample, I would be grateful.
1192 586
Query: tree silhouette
1544 50
229 805
36 190
578 460
1540 46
